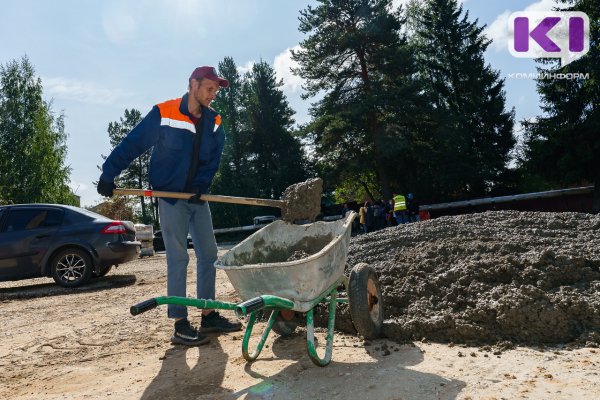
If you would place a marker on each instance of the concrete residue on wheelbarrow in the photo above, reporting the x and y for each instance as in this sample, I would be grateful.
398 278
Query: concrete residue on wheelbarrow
269 253
525 277
302 201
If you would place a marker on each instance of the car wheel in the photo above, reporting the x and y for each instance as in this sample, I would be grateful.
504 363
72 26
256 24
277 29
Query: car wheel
71 267
103 271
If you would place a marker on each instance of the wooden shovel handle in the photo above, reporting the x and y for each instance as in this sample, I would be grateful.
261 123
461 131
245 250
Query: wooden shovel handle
207 197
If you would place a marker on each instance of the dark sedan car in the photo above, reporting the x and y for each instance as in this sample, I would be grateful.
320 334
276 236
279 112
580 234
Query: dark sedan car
70 244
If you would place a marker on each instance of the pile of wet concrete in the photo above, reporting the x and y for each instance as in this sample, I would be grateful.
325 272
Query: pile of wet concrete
524 277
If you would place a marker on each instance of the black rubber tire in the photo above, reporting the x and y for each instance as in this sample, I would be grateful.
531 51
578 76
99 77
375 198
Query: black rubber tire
365 301
71 267
284 327
103 271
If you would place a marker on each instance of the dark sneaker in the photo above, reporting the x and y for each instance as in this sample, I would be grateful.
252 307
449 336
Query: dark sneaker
187 335
215 322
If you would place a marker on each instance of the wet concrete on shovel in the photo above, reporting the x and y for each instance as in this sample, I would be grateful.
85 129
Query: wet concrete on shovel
302 201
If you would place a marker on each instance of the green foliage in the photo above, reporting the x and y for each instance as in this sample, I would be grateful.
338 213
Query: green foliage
261 156
32 141
231 178
357 54
136 174
274 155
423 113
561 147
357 188
466 140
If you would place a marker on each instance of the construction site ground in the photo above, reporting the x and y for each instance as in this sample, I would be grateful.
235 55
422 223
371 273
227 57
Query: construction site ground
84 344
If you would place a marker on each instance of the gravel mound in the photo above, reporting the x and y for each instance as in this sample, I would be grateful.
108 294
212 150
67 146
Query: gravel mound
525 277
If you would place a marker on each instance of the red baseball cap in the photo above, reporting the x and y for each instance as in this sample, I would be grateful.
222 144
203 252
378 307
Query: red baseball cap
209 73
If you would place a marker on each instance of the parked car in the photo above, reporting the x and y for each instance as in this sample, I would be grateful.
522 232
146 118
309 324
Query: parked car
70 244
159 244
264 219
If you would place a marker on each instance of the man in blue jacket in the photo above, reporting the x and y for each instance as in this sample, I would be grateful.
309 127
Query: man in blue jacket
187 138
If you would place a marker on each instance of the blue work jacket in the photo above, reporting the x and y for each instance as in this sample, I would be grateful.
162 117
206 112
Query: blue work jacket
169 129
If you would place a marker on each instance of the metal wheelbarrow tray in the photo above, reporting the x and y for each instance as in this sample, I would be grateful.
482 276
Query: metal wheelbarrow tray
259 265
261 274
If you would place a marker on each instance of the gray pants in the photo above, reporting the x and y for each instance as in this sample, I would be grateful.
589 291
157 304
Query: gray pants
176 220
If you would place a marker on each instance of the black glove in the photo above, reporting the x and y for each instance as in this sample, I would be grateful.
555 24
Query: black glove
106 188
195 199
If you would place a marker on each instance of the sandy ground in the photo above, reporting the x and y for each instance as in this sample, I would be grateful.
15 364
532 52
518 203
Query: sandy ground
84 344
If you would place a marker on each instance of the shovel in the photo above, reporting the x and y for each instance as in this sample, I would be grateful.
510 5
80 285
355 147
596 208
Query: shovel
206 197
301 201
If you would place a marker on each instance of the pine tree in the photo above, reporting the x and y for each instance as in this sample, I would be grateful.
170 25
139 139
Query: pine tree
231 178
261 155
32 140
274 154
562 146
136 174
357 56
469 131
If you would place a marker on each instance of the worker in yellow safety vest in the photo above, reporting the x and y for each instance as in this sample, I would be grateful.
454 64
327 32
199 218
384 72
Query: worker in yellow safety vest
400 209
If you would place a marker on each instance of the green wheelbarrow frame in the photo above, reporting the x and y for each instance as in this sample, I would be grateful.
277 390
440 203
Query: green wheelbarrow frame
265 302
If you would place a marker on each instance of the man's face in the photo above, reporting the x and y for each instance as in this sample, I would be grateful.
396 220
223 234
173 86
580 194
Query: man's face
205 91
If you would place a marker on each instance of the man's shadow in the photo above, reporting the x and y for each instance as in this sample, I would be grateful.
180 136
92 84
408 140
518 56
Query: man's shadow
385 377
190 373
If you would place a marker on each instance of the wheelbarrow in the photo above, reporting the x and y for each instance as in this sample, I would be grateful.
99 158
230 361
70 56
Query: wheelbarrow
288 270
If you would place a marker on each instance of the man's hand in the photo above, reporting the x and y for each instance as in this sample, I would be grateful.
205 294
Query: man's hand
106 188
195 199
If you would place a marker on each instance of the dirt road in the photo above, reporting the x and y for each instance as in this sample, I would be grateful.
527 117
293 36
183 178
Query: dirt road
84 344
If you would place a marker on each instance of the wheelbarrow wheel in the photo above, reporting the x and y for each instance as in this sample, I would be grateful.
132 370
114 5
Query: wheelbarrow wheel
365 301
286 323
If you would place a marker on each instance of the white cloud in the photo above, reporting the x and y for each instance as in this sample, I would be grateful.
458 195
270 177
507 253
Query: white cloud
118 23
85 92
283 64
242 69
396 3
124 22
498 32
78 188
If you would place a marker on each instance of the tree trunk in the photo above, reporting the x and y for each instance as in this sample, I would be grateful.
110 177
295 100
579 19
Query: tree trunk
143 204
596 197
373 130
378 147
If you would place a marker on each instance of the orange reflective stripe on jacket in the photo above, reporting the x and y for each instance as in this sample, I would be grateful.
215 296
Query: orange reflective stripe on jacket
171 116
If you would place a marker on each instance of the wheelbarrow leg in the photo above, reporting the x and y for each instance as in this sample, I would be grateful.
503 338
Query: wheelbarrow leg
310 333
251 357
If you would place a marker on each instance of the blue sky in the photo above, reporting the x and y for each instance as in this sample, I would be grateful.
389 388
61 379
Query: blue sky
97 58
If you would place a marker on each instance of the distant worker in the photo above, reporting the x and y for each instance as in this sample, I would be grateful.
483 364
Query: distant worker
362 213
369 217
412 207
400 209
379 214
389 213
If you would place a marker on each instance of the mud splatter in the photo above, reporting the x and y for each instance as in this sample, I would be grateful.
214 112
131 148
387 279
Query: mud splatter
524 277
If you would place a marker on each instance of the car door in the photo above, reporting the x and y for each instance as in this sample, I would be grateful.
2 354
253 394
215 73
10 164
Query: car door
25 235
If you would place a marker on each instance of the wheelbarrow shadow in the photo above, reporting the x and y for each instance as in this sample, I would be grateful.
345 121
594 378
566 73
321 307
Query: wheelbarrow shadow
190 373
386 377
